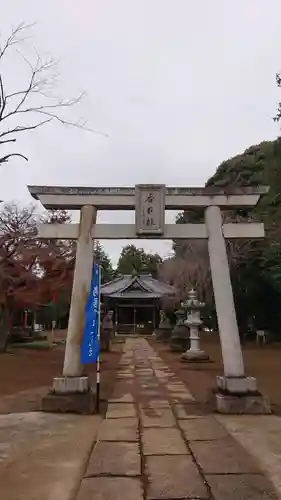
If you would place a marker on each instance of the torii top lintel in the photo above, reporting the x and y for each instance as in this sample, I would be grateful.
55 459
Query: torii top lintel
124 198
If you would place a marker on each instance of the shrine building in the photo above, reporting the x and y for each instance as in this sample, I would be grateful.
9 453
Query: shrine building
136 301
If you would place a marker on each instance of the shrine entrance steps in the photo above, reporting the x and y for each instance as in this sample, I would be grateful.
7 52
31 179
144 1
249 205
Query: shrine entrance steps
156 443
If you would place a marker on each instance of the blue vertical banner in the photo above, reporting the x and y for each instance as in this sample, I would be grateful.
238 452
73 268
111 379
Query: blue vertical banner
91 342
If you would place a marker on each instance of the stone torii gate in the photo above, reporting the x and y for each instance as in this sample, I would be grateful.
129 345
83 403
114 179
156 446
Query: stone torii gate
235 391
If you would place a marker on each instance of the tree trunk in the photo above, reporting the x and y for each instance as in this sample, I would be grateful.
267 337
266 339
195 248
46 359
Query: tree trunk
4 328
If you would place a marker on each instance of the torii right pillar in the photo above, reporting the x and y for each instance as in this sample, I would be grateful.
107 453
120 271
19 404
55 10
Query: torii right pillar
235 393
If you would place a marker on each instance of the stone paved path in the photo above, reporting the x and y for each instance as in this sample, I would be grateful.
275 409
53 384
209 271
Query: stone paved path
155 442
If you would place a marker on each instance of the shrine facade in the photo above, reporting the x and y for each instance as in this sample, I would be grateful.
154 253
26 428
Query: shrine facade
135 300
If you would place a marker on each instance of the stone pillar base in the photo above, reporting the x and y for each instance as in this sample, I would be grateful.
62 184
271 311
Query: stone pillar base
249 404
66 385
237 385
70 395
195 357
239 395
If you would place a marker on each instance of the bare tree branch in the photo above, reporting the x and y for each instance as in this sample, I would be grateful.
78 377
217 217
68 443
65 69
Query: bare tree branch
6 158
34 100
15 37
7 141
2 97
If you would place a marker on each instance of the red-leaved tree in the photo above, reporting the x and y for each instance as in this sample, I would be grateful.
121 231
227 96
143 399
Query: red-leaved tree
32 271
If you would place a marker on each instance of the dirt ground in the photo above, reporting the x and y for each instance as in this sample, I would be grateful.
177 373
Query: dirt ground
26 376
262 362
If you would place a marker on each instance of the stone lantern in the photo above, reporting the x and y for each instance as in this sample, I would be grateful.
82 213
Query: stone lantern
179 341
194 322
164 330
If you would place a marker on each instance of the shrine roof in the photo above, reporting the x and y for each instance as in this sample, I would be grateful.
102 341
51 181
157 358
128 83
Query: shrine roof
142 286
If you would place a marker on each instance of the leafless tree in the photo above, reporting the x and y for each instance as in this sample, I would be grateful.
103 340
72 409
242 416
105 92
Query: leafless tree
33 105
190 270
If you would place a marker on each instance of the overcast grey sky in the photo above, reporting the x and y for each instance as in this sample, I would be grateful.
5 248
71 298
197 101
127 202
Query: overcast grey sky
179 86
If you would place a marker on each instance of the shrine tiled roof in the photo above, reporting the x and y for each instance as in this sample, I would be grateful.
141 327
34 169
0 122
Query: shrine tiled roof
131 286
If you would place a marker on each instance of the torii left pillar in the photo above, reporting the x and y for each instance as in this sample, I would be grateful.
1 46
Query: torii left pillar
71 392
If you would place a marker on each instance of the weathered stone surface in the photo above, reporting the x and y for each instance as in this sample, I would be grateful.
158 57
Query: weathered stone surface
125 398
187 410
174 477
248 404
42 454
110 488
144 371
81 403
163 441
191 356
155 403
237 385
202 429
117 459
230 457
149 393
120 410
261 438
180 397
66 385
161 417
125 375
179 392
241 486
119 429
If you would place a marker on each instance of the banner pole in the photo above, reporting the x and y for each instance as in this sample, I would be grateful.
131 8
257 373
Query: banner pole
98 358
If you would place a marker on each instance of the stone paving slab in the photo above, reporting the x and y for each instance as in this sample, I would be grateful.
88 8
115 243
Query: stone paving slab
187 410
227 457
163 441
161 417
158 443
116 459
241 487
110 488
155 403
44 455
202 429
120 410
261 437
174 477
125 398
119 429
149 393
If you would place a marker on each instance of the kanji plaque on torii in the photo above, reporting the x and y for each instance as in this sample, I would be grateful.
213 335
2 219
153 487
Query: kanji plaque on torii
150 209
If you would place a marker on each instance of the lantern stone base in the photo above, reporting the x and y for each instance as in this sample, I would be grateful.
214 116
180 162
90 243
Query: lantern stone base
239 395
163 334
192 356
70 395
178 343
